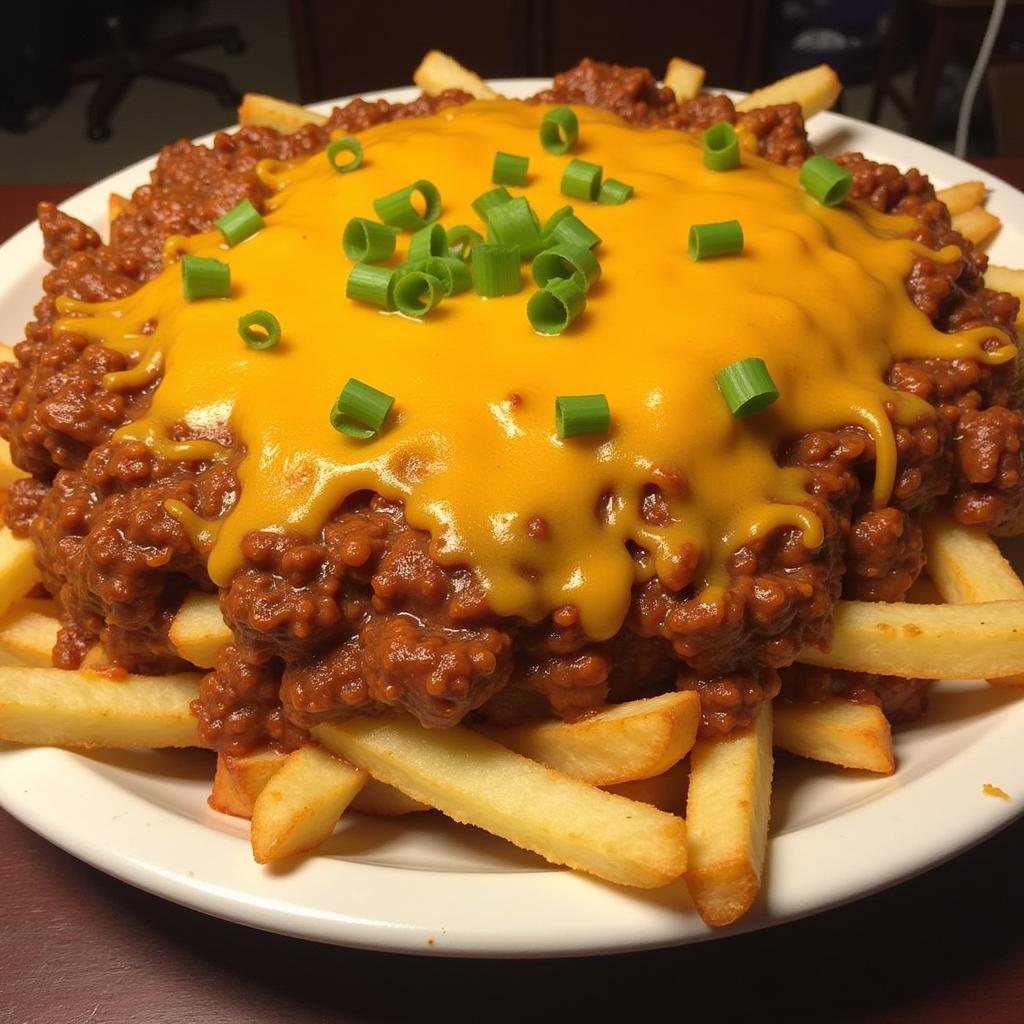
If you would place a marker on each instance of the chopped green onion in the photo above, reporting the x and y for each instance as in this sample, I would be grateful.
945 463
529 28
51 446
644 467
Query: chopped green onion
566 262
241 221
710 240
461 240
268 333
204 278
581 180
559 130
582 415
374 285
429 241
747 387
564 226
555 306
486 202
366 241
496 269
510 169
360 410
721 147
449 270
416 293
397 208
614 193
514 223
339 146
825 180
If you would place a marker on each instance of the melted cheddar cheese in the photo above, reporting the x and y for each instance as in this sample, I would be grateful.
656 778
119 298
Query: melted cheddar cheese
470 447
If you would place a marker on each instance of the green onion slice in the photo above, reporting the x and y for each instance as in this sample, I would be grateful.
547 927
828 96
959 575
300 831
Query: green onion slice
721 147
452 272
203 277
366 241
582 415
559 130
582 180
566 262
564 226
240 222
397 208
429 241
747 387
514 223
339 146
486 202
555 306
510 169
360 410
461 240
416 293
259 329
710 240
496 269
825 180
614 193
374 285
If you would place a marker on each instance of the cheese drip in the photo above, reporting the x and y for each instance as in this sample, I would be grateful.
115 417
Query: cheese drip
471 447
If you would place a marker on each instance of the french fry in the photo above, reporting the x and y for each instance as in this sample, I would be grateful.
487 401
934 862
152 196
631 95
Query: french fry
258 110
438 71
836 731
815 89
684 78
477 781
199 631
116 205
226 797
967 567
249 774
635 740
18 571
727 811
977 225
963 197
28 632
666 791
55 707
1004 279
925 641
301 804
7 355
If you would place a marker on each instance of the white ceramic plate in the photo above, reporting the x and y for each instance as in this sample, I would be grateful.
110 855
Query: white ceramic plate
424 885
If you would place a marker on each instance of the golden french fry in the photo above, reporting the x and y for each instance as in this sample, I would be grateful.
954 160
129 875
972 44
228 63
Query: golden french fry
438 71
836 731
116 205
7 356
684 78
1004 279
258 110
727 811
55 707
226 797
28 632
967 567
386 801
18 572
666 791
963 197
301 803
634 740
199 631
815 89
250 774
977 225
477 781
925 641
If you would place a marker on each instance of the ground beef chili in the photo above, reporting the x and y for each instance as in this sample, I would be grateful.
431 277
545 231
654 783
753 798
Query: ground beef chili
361 618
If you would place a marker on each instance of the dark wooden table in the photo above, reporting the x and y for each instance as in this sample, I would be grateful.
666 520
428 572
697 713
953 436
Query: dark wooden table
77 947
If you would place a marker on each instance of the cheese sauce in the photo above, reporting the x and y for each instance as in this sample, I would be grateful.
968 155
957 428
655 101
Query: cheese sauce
470 447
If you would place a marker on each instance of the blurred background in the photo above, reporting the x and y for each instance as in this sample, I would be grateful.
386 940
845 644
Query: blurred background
89 86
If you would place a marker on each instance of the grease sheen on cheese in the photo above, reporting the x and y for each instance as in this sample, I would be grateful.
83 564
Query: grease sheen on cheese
471 447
